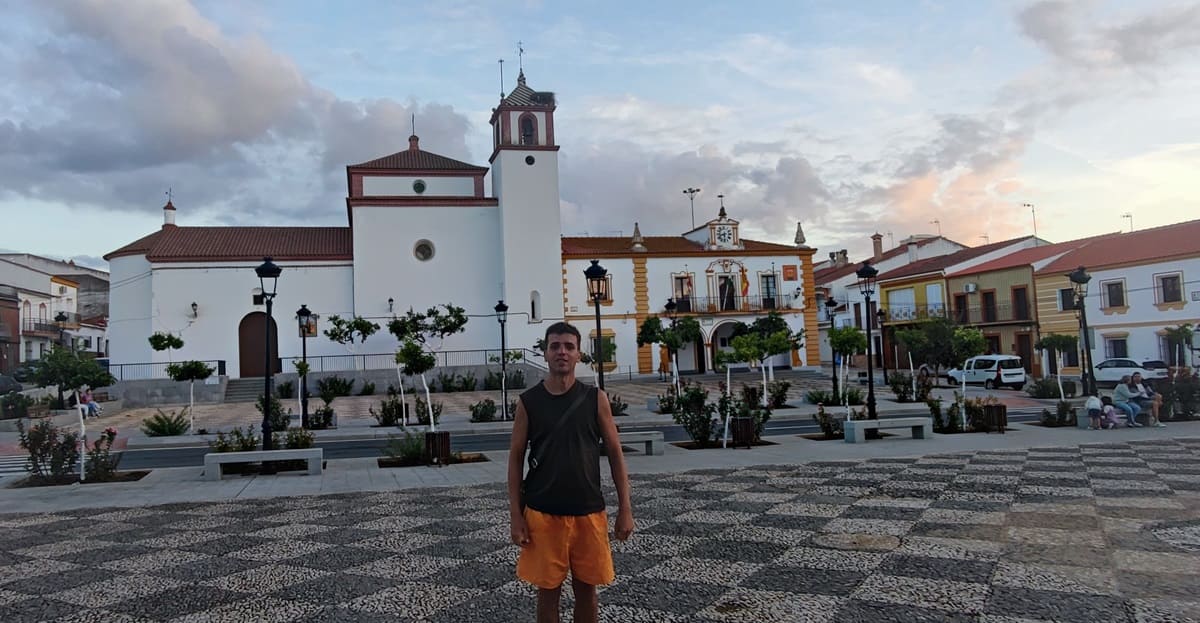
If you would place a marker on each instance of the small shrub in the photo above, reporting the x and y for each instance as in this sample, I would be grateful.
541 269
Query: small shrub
820 397
409 448
465 382
102 464
902 386
424 409
162 425
15 405
854 396
52 452
236 441
279 420
619 407
695 414
391 411
320 417
285 390
831 426
484 411
298 438
516 379
1043 388
777 393
368 389
751 394
666 404
975 411
942 420
492 380
445 381
335 386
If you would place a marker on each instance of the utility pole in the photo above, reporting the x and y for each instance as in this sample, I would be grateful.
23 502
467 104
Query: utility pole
1033 211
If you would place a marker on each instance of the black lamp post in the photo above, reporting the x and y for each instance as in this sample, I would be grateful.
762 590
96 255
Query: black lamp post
597 279
830 306
502 317
268 276
866 285
1079 279
670 308
61 319
881 316
303 316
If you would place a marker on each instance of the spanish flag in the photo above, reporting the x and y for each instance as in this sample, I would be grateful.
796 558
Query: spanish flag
745 283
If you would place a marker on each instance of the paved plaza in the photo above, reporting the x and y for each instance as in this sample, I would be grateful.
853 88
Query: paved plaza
1100 532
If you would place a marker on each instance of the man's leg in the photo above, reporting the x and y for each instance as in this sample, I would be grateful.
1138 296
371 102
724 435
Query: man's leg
587 606
547 605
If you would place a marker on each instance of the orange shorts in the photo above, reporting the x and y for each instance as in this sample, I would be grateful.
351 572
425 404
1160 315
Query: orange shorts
558 543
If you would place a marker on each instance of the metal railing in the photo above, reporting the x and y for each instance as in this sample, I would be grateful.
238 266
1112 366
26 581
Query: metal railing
978 314
387 361
716 304
152 370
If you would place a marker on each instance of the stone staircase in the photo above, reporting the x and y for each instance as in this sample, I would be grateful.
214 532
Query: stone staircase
243 390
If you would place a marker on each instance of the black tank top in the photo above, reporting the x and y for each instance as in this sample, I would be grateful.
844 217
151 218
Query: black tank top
566 477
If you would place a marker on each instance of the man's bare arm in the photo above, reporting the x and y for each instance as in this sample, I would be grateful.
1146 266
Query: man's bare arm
516 459
616 463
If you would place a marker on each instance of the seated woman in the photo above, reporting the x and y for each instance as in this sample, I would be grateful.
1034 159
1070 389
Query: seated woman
1123 399
1147 399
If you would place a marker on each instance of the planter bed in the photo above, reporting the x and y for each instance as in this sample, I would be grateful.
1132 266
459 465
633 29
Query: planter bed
35 481
455 458
254 469
691 445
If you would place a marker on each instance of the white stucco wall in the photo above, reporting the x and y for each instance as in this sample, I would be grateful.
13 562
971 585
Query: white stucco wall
402 186
1142 320
129 311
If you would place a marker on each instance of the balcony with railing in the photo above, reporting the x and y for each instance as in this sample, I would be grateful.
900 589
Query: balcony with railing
729 304
41 328
972 315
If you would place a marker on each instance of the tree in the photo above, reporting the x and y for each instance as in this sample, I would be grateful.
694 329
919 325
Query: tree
772 324
1179 339
684 331
757 345
1058 343
345 332
845 341
68 371
415 332
966 343
190 371
161 341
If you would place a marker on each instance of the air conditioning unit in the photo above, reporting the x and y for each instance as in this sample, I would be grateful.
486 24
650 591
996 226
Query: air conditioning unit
970 288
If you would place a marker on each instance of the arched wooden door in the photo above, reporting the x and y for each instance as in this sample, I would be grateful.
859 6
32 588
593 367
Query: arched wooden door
252 345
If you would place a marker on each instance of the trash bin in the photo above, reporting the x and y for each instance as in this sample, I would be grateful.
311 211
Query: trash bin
995 417
743 431
437 448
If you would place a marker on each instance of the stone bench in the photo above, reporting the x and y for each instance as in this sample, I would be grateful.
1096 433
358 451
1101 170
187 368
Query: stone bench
856 430
214 460
652 438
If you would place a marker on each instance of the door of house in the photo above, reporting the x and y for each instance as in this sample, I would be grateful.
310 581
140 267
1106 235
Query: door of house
1025 350
252 345
727 290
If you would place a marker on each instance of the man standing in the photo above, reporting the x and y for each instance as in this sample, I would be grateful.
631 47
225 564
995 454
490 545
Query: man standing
557 509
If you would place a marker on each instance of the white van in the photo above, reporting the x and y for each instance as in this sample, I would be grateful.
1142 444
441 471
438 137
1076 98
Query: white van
992 371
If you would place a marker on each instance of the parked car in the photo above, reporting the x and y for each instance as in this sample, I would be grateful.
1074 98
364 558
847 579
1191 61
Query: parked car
1110 371
9 385
992 371
25 372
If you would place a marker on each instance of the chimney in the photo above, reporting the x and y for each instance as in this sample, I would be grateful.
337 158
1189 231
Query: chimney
168 215
412 143
842 258
912 252
877 246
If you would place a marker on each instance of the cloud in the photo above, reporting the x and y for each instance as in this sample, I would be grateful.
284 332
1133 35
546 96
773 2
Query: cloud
1073 34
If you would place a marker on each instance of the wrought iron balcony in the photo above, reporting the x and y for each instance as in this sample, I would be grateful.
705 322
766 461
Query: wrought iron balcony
729 304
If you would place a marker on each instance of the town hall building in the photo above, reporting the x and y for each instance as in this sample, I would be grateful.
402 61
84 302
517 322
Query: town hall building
422 231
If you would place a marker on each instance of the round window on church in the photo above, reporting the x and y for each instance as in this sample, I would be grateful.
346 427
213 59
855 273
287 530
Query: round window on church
419 186
529 160
423 250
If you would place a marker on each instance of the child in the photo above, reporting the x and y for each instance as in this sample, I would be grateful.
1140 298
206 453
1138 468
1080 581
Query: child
1110 413
1094 407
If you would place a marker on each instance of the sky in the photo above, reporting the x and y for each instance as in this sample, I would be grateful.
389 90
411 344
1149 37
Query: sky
903 118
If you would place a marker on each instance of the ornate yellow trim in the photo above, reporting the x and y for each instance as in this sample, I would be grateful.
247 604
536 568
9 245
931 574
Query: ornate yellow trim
1108 311
812 344
641 301
1176 306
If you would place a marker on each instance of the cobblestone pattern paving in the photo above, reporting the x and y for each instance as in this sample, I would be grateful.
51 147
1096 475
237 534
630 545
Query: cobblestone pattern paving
1105 532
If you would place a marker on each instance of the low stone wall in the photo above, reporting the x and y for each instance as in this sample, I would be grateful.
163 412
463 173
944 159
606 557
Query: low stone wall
383 378
156 392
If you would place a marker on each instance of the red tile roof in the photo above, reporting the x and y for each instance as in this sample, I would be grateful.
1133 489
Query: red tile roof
833 273
228 244
417 159
621 245
1141 246
1026 257
939 263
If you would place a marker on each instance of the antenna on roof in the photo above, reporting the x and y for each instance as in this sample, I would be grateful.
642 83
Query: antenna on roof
939 225
1129 215
986 239
413 123
168 194
1034 213
891 240
501 61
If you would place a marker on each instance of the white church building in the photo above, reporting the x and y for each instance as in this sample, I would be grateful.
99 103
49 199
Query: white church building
421 231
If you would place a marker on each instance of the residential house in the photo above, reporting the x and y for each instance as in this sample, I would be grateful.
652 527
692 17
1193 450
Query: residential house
42 297
1142 283
918 291
835 279
10 329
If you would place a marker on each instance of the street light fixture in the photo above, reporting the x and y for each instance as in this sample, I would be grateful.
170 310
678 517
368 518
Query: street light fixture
268 278
691 193
502 317
303 317
866 285
597 278
1079 279
670 307
61 319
